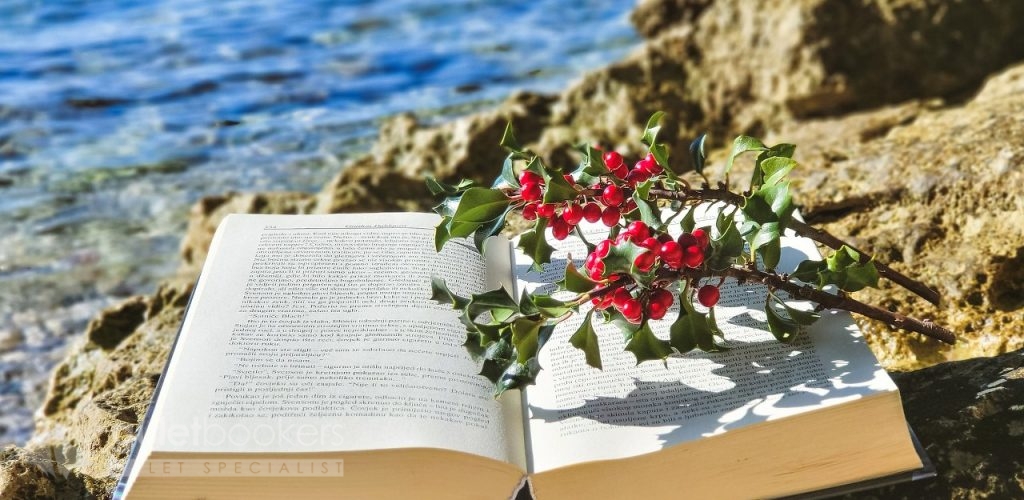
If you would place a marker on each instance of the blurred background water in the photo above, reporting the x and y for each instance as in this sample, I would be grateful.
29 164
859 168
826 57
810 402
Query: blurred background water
116 115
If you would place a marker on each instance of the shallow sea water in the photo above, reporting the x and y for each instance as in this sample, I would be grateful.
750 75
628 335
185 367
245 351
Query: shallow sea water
116 116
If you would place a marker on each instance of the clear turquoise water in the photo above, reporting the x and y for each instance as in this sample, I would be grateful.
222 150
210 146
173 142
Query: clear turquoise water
115 116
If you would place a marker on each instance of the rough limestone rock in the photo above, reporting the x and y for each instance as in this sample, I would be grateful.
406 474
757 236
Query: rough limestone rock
969 416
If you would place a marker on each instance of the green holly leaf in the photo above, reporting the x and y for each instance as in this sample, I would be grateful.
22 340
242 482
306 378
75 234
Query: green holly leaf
535 245
437 187
688 223
848 273
776 168
776 151
591 165
516 376
692 329
498 302
726 243
649 212
697 153
525 337
549 306
620 259
508 175
488 229
585 339
574 281
441 294
783 329
441 234
809 271
556 188
799 316
741 145
509 142
480 206
646 346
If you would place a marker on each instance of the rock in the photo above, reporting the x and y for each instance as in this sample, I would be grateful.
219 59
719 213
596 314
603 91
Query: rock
969 418
114 324
392 177
25 475
209 211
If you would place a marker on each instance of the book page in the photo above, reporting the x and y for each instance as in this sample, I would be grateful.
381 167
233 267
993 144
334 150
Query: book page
317 333
578 413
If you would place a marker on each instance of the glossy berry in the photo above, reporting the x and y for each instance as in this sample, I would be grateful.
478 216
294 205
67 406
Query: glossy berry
610 216
559 229
591 212
693 256
663 297
546 210
708 295
637 176
602 249
573 214
620 296
687 240
672 254
651 243
532 191
639 230
632 310
612 195
645 261
602 302
701 237
596 271
530 211
649 165
630 206
529 177
613 160
655 310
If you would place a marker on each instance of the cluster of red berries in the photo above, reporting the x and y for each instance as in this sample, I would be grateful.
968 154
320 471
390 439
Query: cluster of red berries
674 253
607 206
662 250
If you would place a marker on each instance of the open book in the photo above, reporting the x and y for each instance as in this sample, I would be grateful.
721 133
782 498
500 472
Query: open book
312 363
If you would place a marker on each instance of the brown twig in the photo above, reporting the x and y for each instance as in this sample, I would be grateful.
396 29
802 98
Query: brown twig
802 229
843 302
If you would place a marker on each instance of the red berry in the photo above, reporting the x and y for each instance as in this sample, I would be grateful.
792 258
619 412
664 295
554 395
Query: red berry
671 253
529 177
635 177
649 164
596 272
693 256
602 302
632 310
530 211
591 259
613 160
630 206
651 243
655 310
532 191
546 210
663 297
612 195
645 261
687 240
702 237
592 212
559 229
620 296
639 230
573 214
665 238
621 172
568 178
708 295
610 216
602 249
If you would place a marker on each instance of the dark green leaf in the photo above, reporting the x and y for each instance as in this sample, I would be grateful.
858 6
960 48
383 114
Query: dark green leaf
653 127
535 245
808 271
741 145
647 347
441 234
480 206
557 189
649 212
441 293
524 337
776 168
799 316
508 175
437 187
500 350
771 253
585 339
488 229
620 259
846 271
574 281
697 153
784 329
508 139
691 329
550 306
498 302
688 223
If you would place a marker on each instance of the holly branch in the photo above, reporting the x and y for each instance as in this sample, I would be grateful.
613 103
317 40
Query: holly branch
634 276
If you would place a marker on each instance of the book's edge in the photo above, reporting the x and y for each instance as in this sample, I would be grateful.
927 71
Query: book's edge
122 483
927 471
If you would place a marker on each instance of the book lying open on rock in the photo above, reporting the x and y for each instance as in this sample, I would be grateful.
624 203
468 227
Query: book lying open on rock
312 363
